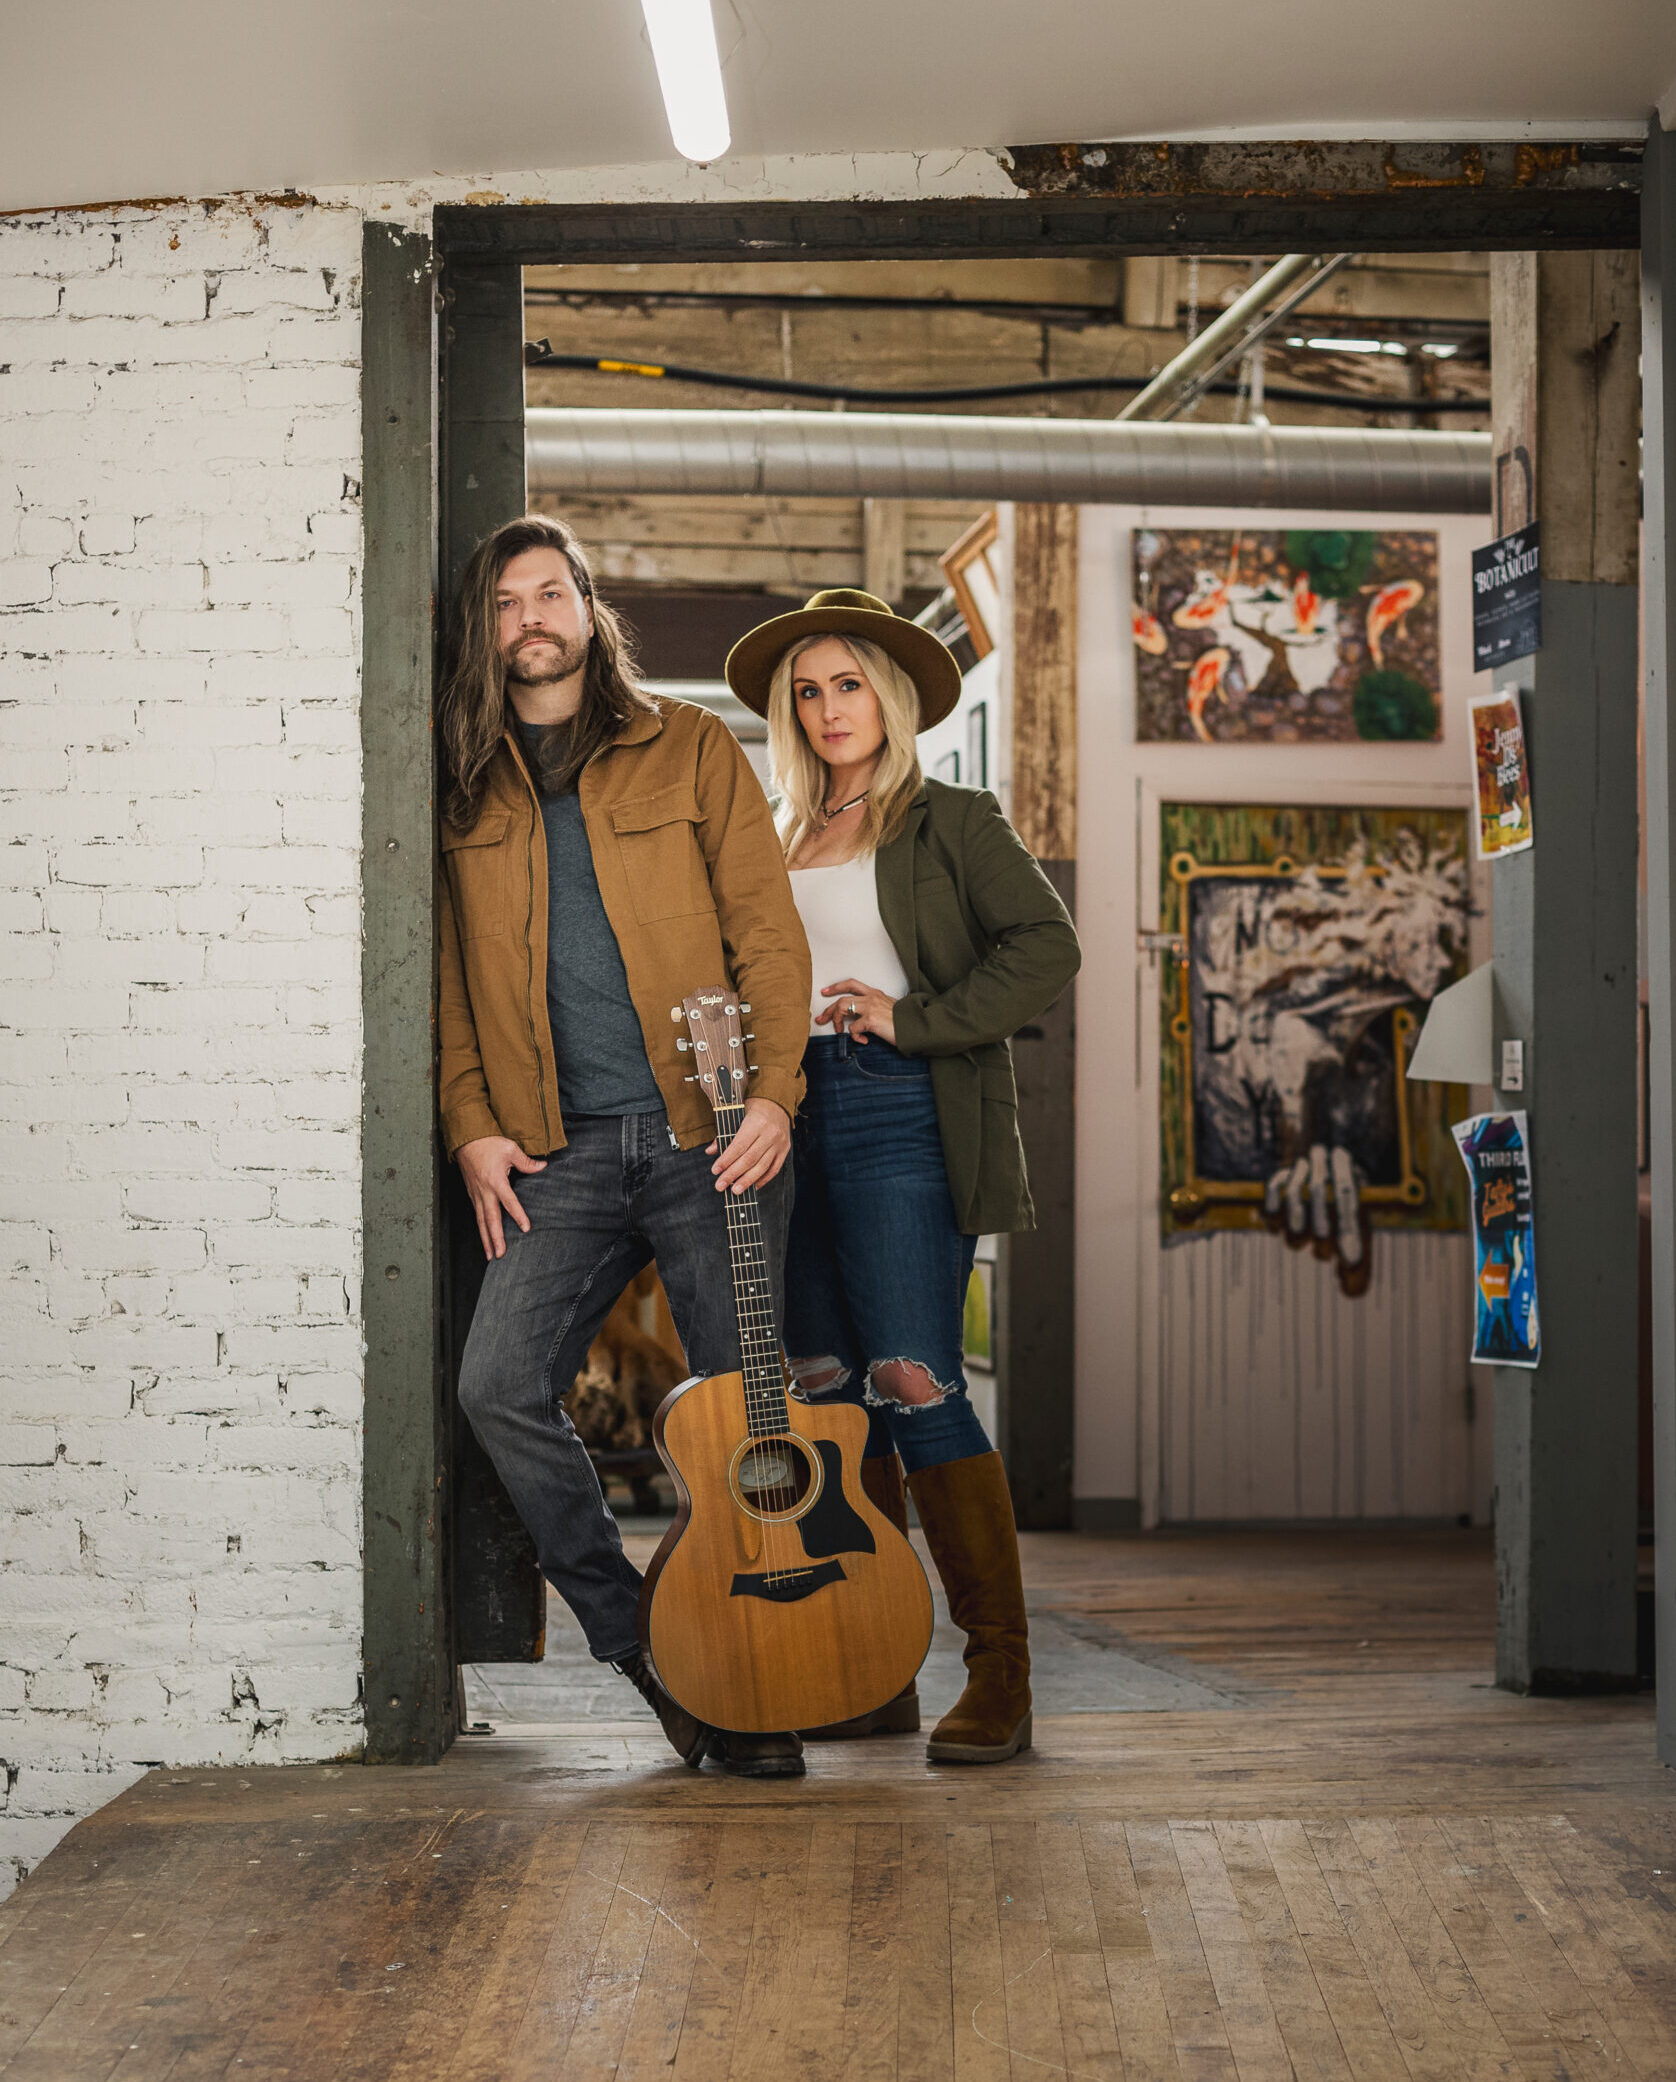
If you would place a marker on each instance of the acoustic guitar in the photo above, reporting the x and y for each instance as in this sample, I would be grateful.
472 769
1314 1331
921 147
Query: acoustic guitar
780 1597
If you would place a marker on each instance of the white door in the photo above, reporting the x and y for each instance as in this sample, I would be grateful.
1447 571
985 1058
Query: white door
1226 1377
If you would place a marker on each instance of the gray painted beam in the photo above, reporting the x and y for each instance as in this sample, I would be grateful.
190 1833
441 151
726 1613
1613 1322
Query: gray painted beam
1658 465
1565 1435
482 405
1564 332
498 1597
409 1688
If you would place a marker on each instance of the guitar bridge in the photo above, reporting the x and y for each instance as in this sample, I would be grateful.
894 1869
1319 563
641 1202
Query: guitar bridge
787 1586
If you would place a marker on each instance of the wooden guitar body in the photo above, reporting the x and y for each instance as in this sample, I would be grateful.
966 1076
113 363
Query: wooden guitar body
780 1597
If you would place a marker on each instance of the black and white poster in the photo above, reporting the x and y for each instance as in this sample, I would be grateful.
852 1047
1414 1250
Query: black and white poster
1507 599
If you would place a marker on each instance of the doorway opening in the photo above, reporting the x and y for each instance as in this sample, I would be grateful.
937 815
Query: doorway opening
1153 287
1384 340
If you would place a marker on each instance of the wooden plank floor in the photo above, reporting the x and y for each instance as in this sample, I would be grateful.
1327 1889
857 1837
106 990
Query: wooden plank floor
1381 1868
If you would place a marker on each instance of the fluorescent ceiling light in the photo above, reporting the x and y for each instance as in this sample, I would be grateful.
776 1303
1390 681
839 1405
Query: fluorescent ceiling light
690 74
1440 348
1347 346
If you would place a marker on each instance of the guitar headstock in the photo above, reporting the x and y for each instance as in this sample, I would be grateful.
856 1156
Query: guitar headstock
718 1043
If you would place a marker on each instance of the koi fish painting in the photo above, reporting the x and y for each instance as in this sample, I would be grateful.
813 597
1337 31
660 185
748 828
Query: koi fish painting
1286 636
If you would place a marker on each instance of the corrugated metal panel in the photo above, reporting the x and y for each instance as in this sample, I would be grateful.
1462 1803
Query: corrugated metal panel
1281 1398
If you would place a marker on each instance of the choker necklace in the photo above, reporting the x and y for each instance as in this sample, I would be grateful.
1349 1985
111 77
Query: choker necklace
828 815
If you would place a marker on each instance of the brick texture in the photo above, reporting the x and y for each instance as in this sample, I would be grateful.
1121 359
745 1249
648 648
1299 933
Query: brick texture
180 1047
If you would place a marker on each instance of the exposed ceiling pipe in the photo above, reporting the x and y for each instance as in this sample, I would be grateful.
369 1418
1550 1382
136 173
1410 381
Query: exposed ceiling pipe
1253 336
891 455
1232 334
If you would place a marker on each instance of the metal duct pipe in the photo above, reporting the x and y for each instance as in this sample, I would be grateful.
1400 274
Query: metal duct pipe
1224 337
891 455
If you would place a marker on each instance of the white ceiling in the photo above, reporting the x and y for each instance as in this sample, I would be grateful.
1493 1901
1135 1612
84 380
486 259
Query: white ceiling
120 99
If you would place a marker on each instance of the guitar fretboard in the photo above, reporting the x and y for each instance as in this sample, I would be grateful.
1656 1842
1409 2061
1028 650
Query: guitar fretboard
766 1412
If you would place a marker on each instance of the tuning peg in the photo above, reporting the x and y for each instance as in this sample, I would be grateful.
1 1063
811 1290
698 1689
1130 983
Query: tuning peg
689 1080
676 1014
746 1010
730 1010
750 1037
683 1046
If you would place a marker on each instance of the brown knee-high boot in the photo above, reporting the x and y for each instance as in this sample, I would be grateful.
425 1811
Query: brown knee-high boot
881 1478
967 1512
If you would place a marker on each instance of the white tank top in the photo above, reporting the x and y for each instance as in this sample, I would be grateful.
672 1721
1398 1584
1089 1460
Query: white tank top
839 907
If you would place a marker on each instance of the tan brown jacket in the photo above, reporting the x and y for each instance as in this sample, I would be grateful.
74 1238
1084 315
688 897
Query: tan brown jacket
695 888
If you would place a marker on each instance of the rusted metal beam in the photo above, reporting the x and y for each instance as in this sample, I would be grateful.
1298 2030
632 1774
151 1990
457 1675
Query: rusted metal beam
1105 199
1249 171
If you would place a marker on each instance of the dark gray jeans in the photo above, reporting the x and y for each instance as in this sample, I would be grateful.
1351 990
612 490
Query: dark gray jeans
615 1197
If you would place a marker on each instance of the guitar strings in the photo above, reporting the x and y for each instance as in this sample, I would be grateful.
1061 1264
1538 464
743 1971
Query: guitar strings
767 1412
764 1379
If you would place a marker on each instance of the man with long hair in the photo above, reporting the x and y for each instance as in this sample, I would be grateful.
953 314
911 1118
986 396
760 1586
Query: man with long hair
605 853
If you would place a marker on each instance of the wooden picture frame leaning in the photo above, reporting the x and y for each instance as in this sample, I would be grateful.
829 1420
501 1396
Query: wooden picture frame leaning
970 567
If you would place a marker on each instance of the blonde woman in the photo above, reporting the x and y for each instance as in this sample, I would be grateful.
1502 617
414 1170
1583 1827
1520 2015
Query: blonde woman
935 936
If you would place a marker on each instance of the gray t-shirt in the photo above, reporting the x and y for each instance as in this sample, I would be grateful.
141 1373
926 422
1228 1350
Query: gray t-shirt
597 1040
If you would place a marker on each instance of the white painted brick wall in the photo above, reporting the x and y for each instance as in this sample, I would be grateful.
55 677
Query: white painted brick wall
180 1350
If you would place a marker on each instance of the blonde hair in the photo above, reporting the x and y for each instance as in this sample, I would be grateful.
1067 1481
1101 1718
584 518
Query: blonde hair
801 773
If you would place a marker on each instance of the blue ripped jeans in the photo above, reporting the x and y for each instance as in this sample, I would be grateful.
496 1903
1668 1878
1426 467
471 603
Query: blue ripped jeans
876 1267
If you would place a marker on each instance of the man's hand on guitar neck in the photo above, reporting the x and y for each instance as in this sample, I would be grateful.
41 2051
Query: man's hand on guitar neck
757 1151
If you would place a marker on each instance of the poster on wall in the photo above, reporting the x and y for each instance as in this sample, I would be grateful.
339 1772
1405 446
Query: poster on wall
1495 1148
1286 635
1305 945
1507 599
1503 823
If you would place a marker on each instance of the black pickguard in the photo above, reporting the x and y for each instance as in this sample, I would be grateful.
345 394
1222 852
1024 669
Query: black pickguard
829 1526
787 1589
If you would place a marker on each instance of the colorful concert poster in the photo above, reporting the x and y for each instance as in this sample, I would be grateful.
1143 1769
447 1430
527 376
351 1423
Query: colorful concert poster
1495 1148
1504 792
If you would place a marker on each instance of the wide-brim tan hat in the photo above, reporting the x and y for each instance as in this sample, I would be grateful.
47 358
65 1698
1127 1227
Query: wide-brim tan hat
844 611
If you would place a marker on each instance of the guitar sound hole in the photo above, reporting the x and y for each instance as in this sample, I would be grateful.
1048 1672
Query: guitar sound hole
773 1477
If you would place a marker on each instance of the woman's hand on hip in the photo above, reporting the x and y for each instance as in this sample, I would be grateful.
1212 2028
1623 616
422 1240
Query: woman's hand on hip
757 1151
487 1166
861 1010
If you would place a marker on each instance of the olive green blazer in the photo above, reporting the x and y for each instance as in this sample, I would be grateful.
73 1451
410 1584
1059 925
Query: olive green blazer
987 947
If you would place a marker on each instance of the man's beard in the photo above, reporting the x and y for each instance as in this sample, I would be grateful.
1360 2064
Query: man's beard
533 667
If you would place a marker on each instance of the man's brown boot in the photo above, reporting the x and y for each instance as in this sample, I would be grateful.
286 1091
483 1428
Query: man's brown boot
881 1478
967 1513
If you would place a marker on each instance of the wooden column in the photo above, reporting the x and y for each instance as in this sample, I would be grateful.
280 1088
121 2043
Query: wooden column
1037 1270
1658 470
1565 337
884 536
408 1662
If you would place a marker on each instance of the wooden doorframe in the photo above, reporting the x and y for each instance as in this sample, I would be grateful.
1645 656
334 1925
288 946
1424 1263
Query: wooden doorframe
440 467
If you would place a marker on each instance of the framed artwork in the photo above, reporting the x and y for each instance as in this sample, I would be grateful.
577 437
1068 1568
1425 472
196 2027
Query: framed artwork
979 1333
1304 946
947 769
975 579
977 745
1286 635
